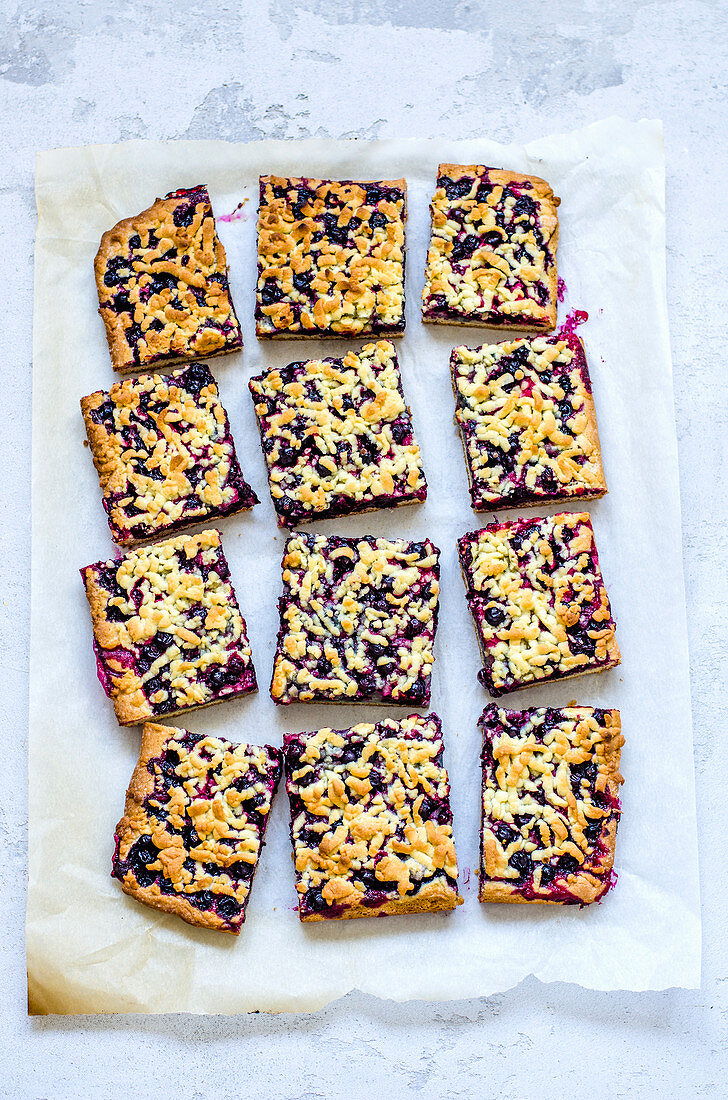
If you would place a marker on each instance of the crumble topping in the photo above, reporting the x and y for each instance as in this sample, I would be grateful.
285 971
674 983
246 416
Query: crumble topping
358 620
168 633
536 594
163 285
370 819
195 816
550 803
337 435
527 419
330 257
492 253
164 453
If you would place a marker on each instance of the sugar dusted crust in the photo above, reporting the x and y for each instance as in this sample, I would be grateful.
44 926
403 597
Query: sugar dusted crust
337 436
357 621
538 601
330 257
163 288
491 262
164 454
371 823
557 773
214 791
527 422
168 633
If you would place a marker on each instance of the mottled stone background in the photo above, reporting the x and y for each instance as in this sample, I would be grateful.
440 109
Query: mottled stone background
73 72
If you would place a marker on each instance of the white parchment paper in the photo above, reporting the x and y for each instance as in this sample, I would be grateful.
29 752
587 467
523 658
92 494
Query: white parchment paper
91 948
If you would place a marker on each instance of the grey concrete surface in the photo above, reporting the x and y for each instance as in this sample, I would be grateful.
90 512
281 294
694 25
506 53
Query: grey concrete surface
73 72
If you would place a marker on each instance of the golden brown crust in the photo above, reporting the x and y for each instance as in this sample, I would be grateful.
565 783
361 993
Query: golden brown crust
510 284
167 276
226 835
330 257
432 898
583 735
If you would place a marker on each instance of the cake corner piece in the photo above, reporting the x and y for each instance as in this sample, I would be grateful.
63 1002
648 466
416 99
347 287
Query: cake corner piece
172 853
162 283
549 817
365 844
491 260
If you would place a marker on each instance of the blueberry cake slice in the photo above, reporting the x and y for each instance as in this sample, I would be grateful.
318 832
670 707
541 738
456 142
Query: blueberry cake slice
168 634
550 805
371 823
492 254
357 621
330 257
162 281
538 601
162 448
526 415
193 826
337 436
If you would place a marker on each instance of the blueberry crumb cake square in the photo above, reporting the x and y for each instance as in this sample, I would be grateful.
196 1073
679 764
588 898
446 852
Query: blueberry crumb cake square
330 257
357 621
492 254
162 448
163 288
538 601
194 821
168 633
550 804
526 416
337 436
371 823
